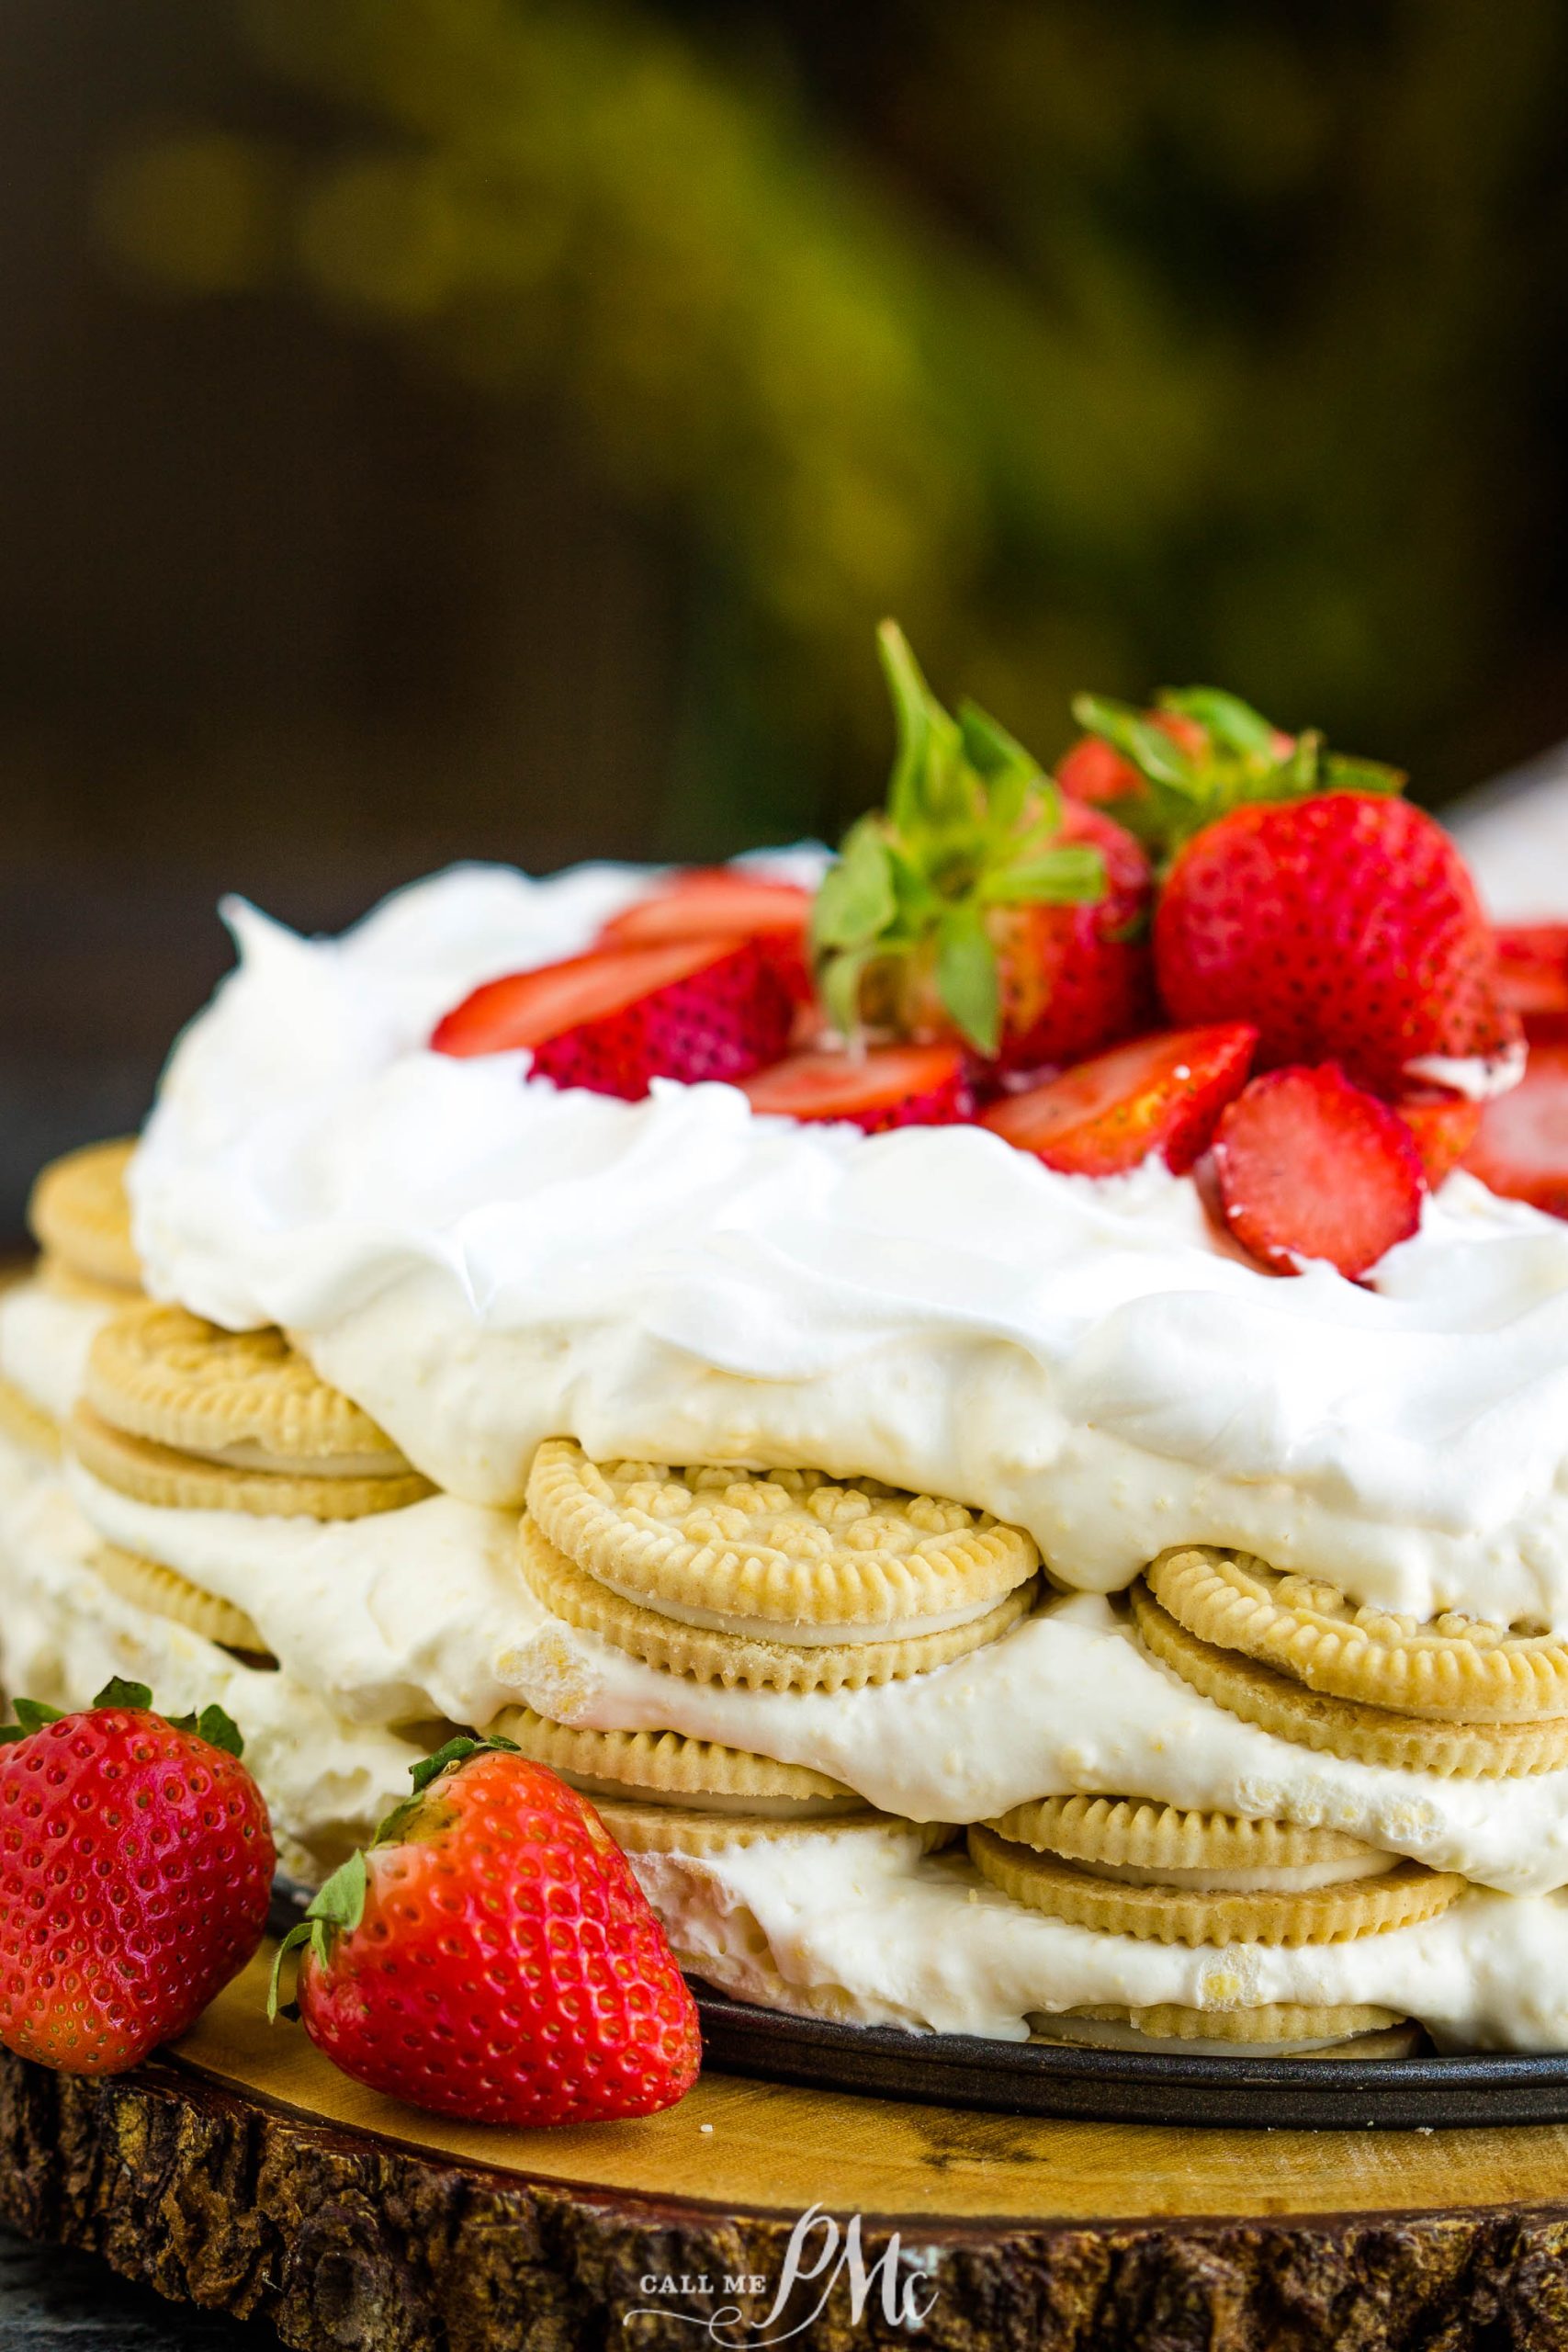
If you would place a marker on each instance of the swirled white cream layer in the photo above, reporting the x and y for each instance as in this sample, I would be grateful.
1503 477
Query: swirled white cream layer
424 1612
64 1634
897 1940
482 1260
44 1340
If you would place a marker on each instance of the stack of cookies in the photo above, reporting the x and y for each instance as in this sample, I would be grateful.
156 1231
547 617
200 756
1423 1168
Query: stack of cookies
1292 1654
185 1417
81 1219
778 1581
1128 1867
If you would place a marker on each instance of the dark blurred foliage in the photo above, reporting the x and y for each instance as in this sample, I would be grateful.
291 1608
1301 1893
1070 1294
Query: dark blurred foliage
494 426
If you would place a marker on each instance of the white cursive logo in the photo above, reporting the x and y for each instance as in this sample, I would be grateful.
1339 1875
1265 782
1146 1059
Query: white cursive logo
731 2328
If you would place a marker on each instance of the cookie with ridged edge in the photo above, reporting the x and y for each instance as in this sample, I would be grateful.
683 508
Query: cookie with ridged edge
27 1423
570 1593
1351 2031
171 1481
679 1829
61 1281
79 1211
162 1374
1345 1727
1137 1833
668 1762
1453 1669
147 1584
1173 1915
785 1546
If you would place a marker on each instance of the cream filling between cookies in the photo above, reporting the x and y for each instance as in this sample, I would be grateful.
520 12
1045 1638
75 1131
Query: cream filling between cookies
923 1942
44 1340
248 1456
711 1800
63 1633
1281 1879
791 1630
425 1612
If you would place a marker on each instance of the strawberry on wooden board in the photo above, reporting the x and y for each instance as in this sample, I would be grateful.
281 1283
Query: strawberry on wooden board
1309 1166
492 1956
722 902
886 1085
977 905
1348 927
136 1864
1444 1126
691 1009
1532 975
1522 1149
1162 1093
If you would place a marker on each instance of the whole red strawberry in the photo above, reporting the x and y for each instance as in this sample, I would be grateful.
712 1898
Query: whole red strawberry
136 1873
492 1956
977 905
1347 927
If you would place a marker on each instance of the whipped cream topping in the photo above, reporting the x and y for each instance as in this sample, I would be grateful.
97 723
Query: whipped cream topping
44 1340
396 1618
899 1940
482 1260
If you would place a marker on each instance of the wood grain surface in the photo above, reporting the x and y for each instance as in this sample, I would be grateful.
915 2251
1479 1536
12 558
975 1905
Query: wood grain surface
242 2172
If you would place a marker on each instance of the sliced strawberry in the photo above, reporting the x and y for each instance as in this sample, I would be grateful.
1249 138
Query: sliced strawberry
1161 1093
722 901
1444 1126
1346 926
1522 1149
1309 1166
693 1009
891 1086
1532 975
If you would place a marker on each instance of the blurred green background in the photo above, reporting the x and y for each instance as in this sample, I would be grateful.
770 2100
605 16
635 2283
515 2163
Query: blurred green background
441 427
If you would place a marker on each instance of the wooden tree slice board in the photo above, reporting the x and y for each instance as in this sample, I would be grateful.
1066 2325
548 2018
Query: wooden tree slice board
245 2173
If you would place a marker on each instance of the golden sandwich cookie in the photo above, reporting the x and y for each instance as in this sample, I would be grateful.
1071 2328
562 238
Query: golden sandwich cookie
1453 1669
1336 1913
707 1654
1273 2030
1345 1727
79 1212
665 1767
245 1399
174 1481
147 1584
784 1548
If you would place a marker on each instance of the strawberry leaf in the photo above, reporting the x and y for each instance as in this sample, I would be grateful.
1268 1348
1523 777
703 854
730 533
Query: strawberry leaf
1072 875
220 1730
1011 774
1227 719
839 980
1148 747
337 1908
1229 756
972 823
116 1692
966 977
1362 776
856 900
